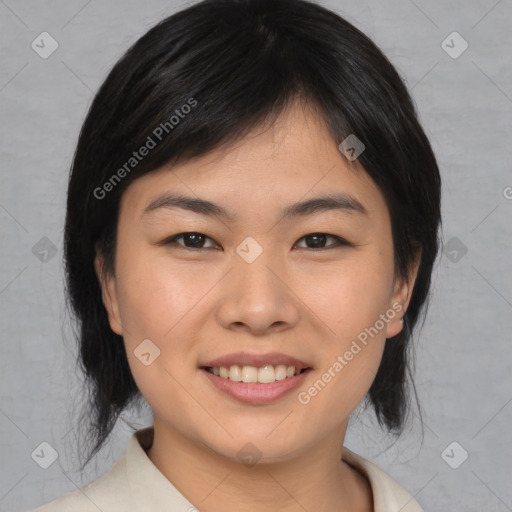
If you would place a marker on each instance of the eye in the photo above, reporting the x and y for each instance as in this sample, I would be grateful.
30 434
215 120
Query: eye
317 240
196 240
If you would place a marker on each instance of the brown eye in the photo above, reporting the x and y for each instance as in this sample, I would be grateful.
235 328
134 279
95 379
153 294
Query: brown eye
191 240
196 241
318 240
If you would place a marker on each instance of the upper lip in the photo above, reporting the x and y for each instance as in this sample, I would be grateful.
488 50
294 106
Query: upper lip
257 360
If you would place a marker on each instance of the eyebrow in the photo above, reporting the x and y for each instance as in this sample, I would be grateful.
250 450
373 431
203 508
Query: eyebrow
339 202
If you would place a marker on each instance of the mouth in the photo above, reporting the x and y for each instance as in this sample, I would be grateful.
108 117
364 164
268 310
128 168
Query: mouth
266 374
256 368
255 379
250 390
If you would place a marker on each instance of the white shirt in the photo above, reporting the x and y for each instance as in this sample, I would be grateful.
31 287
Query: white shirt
134 484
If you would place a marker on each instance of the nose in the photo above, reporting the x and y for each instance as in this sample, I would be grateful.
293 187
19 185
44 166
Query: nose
258 298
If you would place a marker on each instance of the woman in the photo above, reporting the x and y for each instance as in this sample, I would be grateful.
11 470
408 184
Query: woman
252 222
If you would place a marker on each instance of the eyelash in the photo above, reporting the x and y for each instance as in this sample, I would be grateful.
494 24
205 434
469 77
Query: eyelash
340 242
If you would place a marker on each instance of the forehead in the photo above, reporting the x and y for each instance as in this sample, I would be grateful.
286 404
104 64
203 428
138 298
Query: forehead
293 160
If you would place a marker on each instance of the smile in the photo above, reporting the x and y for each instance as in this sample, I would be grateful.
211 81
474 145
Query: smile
252 391
263 375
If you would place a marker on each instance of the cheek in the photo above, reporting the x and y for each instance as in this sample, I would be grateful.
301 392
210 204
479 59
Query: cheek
350 297
155 295
350 302
157 303
161 302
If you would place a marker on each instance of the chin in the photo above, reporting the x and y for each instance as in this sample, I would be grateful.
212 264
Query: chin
258 446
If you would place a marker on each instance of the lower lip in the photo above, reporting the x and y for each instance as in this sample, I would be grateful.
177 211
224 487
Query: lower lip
255 393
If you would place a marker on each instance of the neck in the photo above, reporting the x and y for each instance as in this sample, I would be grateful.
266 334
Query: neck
316 479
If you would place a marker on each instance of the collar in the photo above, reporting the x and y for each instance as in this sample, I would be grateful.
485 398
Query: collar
388 495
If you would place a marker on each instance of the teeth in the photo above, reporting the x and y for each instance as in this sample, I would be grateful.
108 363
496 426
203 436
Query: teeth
235 373
280 372
264 375
249 374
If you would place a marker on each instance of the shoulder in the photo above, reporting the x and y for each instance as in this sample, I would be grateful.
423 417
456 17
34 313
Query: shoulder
388 494
133 483
108 492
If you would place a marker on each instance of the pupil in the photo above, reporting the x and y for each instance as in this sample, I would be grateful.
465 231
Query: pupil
195 238
317 237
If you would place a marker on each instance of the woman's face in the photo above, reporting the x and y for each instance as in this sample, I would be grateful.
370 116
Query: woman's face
256 283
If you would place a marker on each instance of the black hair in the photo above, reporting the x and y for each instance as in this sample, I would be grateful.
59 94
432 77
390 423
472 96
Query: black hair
237 64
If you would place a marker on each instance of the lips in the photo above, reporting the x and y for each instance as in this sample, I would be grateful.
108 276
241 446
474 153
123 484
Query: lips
256 393
266 377
256 360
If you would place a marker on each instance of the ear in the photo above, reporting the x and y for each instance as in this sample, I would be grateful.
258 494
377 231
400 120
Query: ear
402 295
108 294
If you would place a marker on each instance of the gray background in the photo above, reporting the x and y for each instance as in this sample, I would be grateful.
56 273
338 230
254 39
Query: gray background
463 353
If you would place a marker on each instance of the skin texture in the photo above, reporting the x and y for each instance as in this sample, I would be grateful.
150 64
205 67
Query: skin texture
308 302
